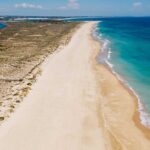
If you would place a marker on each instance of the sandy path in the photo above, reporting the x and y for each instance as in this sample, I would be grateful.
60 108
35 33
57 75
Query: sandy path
61 112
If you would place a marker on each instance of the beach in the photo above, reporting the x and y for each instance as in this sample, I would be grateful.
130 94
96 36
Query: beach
23 48
76 104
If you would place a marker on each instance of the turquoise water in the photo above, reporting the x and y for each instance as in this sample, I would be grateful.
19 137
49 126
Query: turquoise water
126 49
2 26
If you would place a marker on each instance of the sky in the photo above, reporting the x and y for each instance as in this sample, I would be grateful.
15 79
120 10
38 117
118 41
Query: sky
75 7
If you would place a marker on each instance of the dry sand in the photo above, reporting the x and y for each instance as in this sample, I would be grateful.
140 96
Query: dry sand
75 105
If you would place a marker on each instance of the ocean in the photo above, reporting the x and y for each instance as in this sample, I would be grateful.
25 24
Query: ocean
2 26
126 50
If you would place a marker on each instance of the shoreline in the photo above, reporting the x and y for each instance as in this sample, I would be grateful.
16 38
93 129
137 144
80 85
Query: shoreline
140 105
136 116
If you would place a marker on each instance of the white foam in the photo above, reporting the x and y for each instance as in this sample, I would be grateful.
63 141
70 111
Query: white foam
109 64
109 54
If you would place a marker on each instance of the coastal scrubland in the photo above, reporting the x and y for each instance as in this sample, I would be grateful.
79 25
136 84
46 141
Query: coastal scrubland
23 47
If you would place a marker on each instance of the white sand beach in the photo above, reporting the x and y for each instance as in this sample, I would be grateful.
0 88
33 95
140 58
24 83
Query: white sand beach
76 104
61 110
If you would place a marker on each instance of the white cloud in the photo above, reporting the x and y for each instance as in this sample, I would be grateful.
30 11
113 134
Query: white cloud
137 4
2 10
28 5
72 4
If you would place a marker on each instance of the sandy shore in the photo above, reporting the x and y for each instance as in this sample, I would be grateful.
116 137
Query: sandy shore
76 104
119 110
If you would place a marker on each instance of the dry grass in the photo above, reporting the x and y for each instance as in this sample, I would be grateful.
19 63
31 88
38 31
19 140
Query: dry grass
23 46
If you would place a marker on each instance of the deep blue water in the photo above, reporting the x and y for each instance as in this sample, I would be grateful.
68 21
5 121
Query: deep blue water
126 46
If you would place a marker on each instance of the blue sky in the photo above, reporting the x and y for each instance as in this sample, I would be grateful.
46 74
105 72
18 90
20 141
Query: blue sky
76 7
